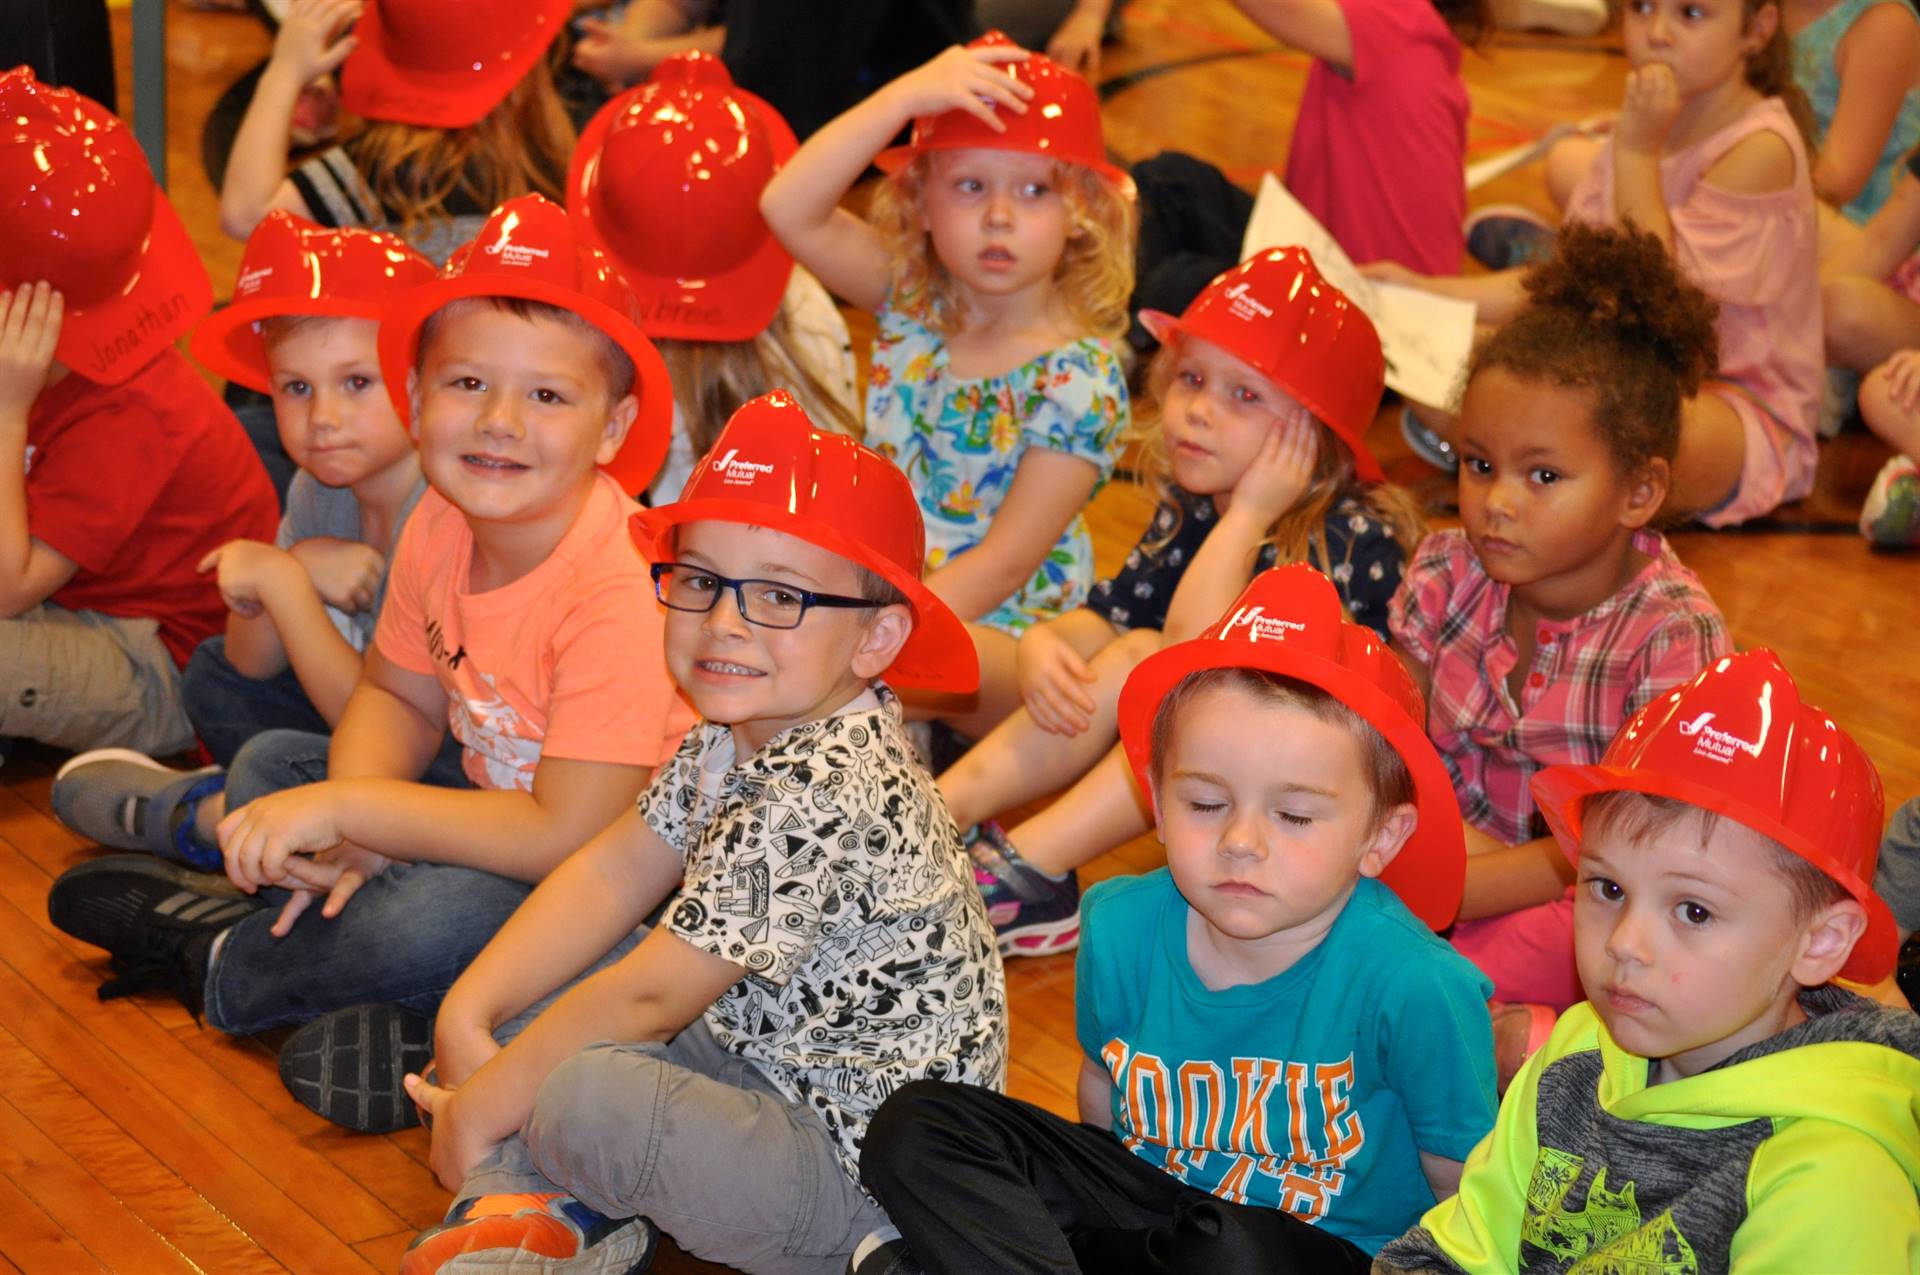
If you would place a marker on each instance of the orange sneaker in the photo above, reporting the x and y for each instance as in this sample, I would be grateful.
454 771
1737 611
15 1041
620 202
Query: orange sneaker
531 1233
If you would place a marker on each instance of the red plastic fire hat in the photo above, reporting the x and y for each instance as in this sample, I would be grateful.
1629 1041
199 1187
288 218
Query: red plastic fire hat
83 213
1062 121
293 267
667 180
1288 622
529 248
771 468
1275 313
1739 741
445 63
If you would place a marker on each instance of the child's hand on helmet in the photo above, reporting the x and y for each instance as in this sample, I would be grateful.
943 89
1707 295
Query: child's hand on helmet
29 330
310 43
963 79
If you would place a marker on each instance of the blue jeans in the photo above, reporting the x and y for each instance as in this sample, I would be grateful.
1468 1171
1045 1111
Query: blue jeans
228 708
402 939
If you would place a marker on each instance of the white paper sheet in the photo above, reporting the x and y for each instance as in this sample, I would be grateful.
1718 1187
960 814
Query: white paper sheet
1426 338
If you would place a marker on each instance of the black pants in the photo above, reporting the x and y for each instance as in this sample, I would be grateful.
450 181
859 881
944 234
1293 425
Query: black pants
1192 220
977 1181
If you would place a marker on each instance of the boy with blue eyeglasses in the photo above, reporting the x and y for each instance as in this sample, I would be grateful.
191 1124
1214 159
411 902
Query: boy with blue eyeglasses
821 942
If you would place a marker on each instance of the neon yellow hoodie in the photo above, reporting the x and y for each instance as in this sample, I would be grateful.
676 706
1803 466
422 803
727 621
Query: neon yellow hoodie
1798 1155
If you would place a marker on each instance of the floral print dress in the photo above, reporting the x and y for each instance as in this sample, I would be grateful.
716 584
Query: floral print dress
960 441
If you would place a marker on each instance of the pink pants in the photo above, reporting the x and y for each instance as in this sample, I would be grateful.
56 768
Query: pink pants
1528 954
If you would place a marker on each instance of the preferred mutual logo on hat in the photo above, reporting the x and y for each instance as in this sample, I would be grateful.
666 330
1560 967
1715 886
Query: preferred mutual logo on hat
294 267
1062 121
445 63
80 209
1277 314
1738 740
771 467
1288 622
667 180
529 249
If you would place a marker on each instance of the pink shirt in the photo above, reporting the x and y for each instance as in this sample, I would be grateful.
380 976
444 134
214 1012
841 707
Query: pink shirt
1758 257
566 661
1588 675
1379 155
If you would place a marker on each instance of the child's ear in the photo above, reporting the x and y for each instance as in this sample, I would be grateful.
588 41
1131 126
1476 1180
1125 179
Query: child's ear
1390 833
413 404
619 421
881 640
1646 492
1828 941
1760 28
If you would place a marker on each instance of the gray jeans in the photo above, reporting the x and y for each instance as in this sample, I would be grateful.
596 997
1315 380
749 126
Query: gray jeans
694 1138
80 679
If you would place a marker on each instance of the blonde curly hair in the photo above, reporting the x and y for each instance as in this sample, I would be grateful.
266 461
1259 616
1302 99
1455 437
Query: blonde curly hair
1094 275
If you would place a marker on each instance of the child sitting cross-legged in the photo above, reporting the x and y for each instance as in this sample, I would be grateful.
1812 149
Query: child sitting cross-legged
1717 1104
1269 1023
516 615
301 609
821 942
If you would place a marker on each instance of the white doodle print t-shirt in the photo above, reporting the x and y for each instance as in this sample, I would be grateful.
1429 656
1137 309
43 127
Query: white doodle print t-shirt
827 864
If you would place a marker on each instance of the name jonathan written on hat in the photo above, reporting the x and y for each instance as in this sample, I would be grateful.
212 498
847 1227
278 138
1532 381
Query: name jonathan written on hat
136 338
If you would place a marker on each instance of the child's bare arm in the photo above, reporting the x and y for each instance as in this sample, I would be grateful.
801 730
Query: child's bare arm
1881 51
1498 296
802 202
1887 238
659 988
1049 489
392 725
586 905
30 569
278 619
1442 1174
507 832
1317 27
1503 878
1095 1094
305 49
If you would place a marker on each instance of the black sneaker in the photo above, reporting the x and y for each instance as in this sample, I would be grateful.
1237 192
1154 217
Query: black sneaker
152 919
346 1066
1907 971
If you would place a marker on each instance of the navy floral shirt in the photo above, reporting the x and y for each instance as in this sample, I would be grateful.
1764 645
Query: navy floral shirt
1365 568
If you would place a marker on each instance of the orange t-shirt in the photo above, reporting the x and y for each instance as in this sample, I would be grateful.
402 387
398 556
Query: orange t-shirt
567 660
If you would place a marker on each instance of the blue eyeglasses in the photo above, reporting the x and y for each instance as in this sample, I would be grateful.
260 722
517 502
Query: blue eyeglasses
767 603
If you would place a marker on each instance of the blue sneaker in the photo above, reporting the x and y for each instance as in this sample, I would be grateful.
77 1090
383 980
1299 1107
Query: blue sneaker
1032 914
127 801
1502 236
531 1233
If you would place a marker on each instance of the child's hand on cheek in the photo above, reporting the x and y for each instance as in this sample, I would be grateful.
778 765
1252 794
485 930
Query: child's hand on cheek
1279 475
969 80
29 331
1647 114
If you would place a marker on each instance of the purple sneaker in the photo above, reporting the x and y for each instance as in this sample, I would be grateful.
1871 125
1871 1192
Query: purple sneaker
1032 914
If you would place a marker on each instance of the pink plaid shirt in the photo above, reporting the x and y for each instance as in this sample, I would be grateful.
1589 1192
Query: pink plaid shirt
1589 674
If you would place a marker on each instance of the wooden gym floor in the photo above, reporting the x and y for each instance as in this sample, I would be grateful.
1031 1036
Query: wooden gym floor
132 1140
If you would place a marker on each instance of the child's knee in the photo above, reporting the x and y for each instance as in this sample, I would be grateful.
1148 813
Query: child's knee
591 1125
275 760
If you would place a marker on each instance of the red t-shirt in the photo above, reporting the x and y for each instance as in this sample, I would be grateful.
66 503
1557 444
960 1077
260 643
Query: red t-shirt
1379 156
137 483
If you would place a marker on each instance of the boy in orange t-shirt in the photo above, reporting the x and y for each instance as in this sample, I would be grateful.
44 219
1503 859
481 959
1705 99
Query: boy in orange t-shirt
517 613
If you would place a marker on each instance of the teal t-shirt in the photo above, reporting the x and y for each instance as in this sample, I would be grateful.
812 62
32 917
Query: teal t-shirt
1314 1091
